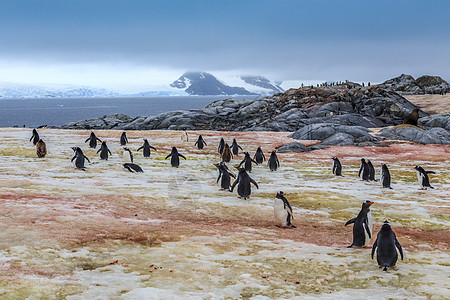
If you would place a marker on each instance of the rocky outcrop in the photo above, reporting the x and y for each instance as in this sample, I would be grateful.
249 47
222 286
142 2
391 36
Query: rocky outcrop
293 147
113 121
407 85
439 120
415 134
334 134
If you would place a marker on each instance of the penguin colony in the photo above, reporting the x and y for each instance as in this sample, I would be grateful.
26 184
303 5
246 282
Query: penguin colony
385 246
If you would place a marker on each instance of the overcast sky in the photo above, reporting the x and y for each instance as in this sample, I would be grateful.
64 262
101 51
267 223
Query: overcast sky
107 43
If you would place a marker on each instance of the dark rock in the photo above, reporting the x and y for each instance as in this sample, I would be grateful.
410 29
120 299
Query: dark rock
415 134
439 120
293 147
433 84
106 122
404 84
323 131
339 139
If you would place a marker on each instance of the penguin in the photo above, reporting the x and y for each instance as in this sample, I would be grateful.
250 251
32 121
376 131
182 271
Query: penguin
227 156
412 118
422 176
362 228
371 171
259 156
385 246
337 167
247 161
175 157
184 135
200 143
243 181
104 151
273 162
385 177
133 168
225 174
235 147
364 170
146 148
79 158
283 211
93 140
221 146
123 139
41 148
35 137
127 155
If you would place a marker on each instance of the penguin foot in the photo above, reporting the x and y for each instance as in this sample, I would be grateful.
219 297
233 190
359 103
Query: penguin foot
422 189
351 246
368 247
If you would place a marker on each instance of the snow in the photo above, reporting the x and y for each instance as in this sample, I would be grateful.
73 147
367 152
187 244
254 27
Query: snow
171 233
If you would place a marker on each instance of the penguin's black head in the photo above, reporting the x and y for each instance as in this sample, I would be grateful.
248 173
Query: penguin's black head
274 151
386 226
241 170
367 204
145 140
280 195
234 140
363 160
417 168
246 154
104 143
174 149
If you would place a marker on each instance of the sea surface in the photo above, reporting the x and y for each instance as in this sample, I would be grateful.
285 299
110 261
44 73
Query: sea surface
58 111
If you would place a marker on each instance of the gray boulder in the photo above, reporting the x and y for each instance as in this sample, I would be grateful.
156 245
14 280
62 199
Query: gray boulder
293 147
415 134
339 139
439 120
433 84
403 84
323 131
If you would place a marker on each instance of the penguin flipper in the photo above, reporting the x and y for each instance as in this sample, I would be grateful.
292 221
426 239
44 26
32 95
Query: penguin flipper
87 139
153 148
99 150
366 227
141 147
430 172
350 221
374 246
234 184
399 247
87 158
254 182
181 155
218 178
73 158
232 175
168 156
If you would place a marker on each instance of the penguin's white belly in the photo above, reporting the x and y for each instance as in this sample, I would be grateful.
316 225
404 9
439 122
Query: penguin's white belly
126 157
419 178
281 213
370 222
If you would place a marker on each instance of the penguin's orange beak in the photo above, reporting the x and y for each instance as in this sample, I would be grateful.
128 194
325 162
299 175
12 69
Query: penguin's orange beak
284 194
371 202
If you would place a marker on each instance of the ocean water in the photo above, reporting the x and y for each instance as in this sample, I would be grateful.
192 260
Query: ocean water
58 111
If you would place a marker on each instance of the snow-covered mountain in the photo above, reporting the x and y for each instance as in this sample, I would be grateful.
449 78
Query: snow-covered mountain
16 90
203 83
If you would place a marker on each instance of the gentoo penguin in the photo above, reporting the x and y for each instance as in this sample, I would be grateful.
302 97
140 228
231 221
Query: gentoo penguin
123 139
412 118
175 157
226 154
41 148
422 176
127 155
221 146
79 158
35 137
93 140
104 151
337 167
243 181
200 143
385 177
273 162
371 171
259 156
283 211
362 228
184 135
364 170
225 174
235 147
247 161
146 148
133 168
385 245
